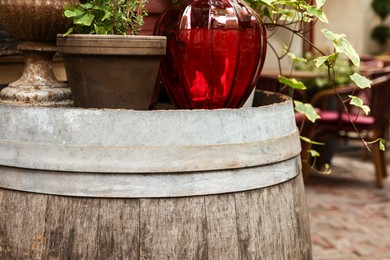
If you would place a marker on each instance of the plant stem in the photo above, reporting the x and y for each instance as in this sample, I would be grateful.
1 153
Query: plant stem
114 18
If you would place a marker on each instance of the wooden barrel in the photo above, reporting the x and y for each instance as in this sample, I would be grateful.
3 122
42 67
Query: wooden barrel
122 184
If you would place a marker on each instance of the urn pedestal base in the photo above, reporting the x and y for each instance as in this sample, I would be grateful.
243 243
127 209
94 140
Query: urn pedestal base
38 85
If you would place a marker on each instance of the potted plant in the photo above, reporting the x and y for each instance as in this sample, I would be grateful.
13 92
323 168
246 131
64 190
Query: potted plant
381 32
107 64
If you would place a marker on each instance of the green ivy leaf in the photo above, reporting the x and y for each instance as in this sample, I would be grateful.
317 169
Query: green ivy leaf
85 19
327 169
320 3
307 140
361 81
68 32
100 29
321 60
292 83
332 36
314 153
317 12
356 101
382 145
86 6
107 15
70 13
287 15
296 58
306 109
342 45
267 13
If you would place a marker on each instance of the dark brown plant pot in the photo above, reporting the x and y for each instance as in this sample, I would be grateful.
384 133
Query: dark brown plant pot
155 8
111 71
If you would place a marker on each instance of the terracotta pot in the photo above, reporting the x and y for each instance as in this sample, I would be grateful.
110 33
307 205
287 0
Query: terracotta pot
36 23
111 71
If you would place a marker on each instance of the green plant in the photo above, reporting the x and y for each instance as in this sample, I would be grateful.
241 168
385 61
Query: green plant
380 34
381 8
342 70
106 16
296 17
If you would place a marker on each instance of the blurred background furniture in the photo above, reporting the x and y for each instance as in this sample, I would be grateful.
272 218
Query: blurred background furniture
335 122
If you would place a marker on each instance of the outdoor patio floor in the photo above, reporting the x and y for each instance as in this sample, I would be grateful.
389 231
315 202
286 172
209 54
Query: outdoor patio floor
349 215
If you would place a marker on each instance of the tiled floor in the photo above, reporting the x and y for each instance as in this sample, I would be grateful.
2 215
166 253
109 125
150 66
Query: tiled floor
349 216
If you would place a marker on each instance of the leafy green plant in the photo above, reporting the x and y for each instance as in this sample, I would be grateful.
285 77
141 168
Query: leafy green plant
296 17
381 8
381 33
342 70
106 16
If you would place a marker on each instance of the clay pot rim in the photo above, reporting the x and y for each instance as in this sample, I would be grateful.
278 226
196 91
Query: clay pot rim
111 44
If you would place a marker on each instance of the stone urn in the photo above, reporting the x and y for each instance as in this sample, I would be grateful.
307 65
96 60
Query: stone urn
36 23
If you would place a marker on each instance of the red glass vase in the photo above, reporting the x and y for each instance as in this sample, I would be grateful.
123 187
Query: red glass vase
215 53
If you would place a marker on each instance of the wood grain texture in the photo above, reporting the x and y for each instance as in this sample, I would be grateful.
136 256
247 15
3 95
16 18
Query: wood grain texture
118 229
273 223
173 229
269 223
21 225
71 228
222 239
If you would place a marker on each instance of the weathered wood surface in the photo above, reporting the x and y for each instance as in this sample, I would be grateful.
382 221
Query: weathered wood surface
268 223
